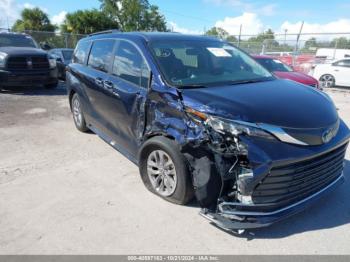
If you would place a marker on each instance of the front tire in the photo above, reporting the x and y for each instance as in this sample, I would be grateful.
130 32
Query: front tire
327 81
164 170
78 115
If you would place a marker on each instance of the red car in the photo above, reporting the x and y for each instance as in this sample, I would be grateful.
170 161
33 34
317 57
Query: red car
281 70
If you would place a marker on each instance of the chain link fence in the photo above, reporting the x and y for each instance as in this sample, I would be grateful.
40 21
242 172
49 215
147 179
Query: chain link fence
53 39
301 51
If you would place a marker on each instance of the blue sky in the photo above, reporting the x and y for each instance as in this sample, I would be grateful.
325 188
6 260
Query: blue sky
193 16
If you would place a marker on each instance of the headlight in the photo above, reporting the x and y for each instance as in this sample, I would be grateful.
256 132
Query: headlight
53 62
2 59
225 126
236 128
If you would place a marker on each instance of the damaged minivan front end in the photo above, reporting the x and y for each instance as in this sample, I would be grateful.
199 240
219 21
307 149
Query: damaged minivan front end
251 174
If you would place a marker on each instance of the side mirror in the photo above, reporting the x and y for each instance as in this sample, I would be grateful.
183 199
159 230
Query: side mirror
45 46
59 60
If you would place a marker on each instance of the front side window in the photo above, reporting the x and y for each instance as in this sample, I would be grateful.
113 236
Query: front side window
129 65
101 54
205 63
81 52
67 55
274 65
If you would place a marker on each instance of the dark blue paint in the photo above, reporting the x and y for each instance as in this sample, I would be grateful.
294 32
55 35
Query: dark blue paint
129 115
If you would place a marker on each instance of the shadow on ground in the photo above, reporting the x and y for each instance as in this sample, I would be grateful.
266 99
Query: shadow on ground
34 90
331 211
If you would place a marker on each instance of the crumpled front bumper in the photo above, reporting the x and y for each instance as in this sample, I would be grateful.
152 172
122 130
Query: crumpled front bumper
236 220
265 156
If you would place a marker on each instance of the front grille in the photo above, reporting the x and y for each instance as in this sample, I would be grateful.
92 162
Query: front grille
27 62
40 62
14 63
291 183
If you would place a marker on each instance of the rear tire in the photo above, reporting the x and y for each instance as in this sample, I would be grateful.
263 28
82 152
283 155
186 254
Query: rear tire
164 170
327 81
78 115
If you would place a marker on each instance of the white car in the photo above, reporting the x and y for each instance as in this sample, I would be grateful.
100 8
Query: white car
336 73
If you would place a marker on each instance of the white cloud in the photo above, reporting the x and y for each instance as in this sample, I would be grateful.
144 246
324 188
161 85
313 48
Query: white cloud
337 26
59 18
250 22
268 10
226 2
174 27
28 5
9 11
246 6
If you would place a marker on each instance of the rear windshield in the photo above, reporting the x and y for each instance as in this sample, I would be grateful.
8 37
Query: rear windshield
274 65
17 41
67 54
205 63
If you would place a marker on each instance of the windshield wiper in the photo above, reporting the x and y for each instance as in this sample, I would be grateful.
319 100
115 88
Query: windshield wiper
249 81
190 86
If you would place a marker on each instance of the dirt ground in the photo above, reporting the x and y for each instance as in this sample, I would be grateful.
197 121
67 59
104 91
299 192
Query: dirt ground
64 192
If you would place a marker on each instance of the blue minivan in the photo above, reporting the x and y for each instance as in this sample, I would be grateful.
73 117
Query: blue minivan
202 119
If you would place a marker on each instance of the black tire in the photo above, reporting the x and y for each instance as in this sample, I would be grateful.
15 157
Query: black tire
51 86
75 107
183 192
327 81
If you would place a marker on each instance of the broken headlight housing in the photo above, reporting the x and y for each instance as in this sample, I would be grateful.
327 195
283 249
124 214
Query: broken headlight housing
236 128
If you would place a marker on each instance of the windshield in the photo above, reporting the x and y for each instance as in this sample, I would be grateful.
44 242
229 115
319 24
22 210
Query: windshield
205 63
274 65
67 55
16 41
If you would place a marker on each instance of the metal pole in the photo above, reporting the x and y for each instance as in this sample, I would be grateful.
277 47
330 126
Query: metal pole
297 43
240 33
285 36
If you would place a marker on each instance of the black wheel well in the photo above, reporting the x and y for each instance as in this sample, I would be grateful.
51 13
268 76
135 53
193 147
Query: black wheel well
149 137
71 94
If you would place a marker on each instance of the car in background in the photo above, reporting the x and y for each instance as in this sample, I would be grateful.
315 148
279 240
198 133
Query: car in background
283 71
24 63
333 74
63 57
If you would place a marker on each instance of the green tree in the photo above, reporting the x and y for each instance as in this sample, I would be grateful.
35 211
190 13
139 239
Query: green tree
311 42
221 33
33 19
134 15
87 22
341 42
267 35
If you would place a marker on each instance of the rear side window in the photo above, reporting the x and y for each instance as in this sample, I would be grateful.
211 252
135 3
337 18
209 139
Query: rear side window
81 52
130 65
101 54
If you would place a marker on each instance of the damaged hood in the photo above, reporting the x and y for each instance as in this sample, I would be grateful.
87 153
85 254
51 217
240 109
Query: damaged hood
281 103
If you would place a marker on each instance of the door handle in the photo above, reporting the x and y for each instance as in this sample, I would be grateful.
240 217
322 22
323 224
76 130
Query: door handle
99 81
108 84
336 70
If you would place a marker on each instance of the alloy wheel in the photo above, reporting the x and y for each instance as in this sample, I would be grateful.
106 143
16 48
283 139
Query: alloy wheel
77 114
327 81
161 172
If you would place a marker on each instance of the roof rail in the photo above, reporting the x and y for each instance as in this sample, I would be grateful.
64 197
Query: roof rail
111 31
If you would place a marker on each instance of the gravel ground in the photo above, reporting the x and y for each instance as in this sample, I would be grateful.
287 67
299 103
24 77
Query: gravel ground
64 192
